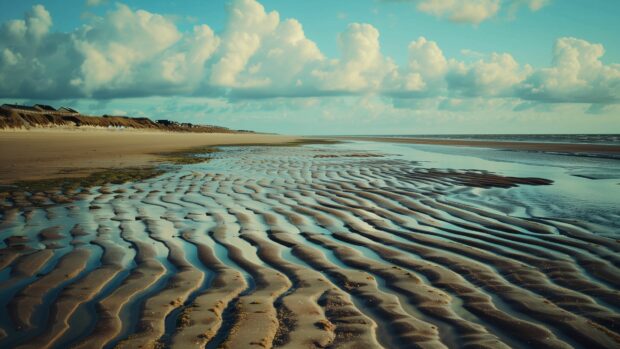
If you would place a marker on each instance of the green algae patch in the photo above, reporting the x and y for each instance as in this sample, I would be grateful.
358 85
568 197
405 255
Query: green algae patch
295 143
188 156
99 178
54 191
45 192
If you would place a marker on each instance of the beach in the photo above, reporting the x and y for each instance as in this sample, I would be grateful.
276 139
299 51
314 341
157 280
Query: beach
352 245
249 174
58 153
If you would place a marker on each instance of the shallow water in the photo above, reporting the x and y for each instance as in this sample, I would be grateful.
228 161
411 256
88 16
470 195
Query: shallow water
612 139
511 257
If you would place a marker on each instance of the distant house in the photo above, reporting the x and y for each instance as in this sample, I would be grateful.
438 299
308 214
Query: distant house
167 122
44 107
187 124
68 110
19 107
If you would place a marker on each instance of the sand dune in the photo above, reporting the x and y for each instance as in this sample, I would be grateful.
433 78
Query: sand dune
306 247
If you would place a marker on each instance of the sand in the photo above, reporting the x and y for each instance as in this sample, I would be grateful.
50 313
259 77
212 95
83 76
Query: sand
305 247
47 153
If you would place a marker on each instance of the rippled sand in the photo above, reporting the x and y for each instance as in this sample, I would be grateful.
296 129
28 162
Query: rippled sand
306 247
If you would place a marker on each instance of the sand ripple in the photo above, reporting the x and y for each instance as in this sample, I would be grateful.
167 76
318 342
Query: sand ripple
304 248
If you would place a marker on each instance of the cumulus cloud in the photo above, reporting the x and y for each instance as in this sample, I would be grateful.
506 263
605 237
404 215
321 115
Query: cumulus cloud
496 76
33 61
577 74
264 56
261 55
124 53
36 24
130 53
424 73
473 11
248 24
361 67
469 11
115 49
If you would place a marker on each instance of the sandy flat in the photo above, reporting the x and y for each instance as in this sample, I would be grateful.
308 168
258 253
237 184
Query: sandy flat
42 154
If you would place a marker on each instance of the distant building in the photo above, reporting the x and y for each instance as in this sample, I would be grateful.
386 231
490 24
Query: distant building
19 107
68 110
167 122
44 107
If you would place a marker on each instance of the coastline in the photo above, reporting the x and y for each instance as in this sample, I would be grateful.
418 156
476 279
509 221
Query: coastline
42 154
595 149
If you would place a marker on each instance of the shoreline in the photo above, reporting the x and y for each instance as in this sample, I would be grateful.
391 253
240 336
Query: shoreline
597 149
46 154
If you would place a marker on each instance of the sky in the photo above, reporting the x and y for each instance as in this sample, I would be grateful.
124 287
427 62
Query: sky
322 66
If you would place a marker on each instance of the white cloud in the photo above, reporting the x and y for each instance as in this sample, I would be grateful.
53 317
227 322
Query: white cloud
263 56
259 55
10 58
114 47
576 75
247 25
468 11
281 64
185 63
426 58
496 76
34 62
34 26
473 11
430 73
361 67
425 69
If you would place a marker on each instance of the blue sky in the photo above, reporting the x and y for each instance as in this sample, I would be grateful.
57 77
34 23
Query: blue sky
363 66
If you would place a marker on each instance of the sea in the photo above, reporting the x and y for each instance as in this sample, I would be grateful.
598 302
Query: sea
607 139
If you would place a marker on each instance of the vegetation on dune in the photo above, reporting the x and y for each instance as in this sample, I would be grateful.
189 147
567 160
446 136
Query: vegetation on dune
11 117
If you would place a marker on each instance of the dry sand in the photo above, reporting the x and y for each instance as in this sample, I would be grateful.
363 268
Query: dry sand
42 153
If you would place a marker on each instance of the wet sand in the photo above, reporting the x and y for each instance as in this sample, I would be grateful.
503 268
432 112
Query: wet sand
305 247
42 154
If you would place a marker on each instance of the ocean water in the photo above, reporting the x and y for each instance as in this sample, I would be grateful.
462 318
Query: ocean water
609 139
